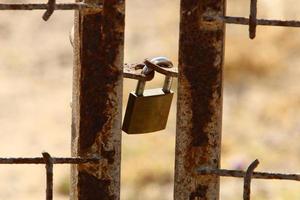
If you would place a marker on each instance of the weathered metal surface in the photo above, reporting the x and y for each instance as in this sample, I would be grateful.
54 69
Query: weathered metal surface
199 105
246 21
252 19
97 100
134 71
49 175
247 179
49 161
50 9
43 6
242 174
55 160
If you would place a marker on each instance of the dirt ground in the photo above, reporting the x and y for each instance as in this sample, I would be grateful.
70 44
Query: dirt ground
261 100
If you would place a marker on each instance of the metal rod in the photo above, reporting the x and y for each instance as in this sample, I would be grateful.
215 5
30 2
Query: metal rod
247 179
50 10
97 100
49 175
242 174
131 73
252 19
245 21
44 6
40 160
199 104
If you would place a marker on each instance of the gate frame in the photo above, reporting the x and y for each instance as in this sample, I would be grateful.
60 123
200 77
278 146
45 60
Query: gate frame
97 100
200 99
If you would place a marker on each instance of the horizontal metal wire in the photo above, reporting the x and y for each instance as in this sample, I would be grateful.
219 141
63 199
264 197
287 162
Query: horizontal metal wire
242 174
44 6
40 160
245 21
49 161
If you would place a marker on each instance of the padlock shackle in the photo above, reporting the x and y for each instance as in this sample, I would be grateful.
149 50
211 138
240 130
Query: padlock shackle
167 84
140 88
162 62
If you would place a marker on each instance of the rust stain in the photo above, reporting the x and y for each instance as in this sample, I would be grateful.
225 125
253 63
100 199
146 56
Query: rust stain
97 187
98 102
108 155
201 71
92 103
98 76
199 113
200 193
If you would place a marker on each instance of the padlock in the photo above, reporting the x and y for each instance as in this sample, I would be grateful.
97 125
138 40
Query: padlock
148 110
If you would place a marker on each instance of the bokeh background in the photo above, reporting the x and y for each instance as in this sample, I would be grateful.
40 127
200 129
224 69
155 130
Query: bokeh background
261 100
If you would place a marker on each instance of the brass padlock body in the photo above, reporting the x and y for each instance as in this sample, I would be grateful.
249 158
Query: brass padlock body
147 113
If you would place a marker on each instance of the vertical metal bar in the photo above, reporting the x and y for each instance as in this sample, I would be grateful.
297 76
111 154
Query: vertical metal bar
97 100
247 179
49 175
199 105
252 19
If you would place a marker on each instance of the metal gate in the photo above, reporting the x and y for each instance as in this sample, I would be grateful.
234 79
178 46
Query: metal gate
97 99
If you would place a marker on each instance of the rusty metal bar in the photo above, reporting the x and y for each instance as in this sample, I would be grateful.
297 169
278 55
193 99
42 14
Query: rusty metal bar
134 71
242 174
247 179
50 9
97 100
245 21
199 105
49 174
44 6
252 19
40 160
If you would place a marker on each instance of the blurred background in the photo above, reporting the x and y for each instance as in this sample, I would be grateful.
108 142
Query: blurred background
261 100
